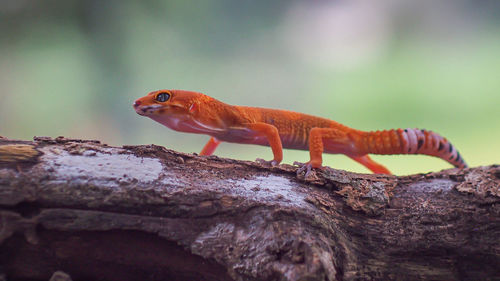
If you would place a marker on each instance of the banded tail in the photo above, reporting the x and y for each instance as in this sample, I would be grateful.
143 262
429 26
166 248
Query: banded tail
411 141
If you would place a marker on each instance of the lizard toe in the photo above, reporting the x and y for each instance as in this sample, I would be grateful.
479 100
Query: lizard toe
303 167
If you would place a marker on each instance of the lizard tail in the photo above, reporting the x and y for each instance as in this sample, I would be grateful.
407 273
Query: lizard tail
411 141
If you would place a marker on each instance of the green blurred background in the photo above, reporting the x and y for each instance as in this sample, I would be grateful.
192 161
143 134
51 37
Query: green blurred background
74 67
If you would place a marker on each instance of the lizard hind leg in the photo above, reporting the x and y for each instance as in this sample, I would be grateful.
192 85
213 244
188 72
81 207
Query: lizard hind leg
373 166
330 140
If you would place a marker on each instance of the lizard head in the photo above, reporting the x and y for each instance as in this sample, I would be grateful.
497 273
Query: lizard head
183 111
166 103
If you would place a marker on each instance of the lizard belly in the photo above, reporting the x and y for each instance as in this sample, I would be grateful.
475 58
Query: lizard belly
248 136
241 135
293 142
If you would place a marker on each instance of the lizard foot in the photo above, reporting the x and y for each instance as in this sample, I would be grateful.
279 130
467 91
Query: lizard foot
270 163
307 167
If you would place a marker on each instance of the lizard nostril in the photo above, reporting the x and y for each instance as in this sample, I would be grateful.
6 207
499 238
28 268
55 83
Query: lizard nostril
137 103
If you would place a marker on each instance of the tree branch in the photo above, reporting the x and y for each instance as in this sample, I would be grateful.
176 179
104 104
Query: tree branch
148 213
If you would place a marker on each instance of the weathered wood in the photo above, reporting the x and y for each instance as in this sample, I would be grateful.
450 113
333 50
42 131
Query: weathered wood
147 213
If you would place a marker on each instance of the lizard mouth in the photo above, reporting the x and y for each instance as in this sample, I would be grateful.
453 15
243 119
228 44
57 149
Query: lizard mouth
148 109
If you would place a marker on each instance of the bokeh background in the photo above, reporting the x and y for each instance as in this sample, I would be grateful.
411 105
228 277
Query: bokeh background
74 67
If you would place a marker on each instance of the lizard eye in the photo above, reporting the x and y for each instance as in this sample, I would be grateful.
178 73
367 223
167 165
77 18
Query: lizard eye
162 97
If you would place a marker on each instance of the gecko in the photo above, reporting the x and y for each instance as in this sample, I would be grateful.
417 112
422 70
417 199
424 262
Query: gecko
193 112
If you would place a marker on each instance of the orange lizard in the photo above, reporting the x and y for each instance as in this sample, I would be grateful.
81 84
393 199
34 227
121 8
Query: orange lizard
193 112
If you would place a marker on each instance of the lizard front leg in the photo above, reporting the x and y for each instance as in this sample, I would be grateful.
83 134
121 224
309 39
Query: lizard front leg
210 147
273 137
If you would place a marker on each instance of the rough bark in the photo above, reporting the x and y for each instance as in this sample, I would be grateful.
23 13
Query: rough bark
97 212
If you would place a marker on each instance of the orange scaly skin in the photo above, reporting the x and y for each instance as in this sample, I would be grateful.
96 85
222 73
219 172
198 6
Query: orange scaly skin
197 113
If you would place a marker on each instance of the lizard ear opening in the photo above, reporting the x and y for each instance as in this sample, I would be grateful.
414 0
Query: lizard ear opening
162 97
193 107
